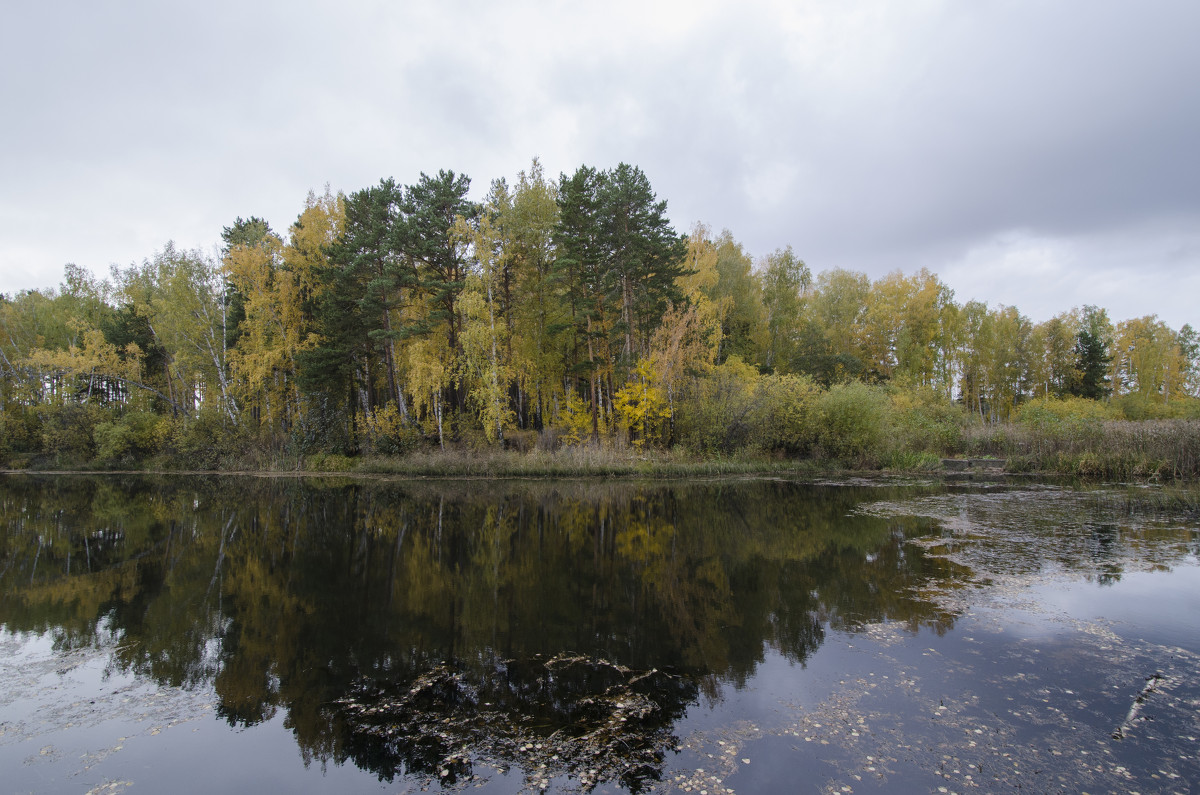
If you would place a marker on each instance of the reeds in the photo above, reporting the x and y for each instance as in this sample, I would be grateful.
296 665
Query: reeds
1118 449
570 462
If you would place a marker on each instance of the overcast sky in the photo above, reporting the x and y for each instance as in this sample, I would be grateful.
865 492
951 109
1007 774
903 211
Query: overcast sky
1037 154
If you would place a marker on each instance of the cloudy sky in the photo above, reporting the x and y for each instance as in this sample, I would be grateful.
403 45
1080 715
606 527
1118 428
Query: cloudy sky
1038 154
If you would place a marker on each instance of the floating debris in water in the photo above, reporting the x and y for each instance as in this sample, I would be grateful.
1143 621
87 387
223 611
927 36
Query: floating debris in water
441 725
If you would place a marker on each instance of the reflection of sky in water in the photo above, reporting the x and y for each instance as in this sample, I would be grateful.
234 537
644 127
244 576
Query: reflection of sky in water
69 723
1160 607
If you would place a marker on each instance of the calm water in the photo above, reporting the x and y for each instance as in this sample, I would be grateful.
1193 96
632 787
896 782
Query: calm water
192 634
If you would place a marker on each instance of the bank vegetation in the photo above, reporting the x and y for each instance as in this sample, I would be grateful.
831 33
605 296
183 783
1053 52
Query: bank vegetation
563 327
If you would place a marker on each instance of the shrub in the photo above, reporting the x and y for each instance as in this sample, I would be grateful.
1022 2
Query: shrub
853 421
323 426
911 461
1049 414
641 407
575 419
1138 407
386 433
20 433
713 415
522 441
927 422
136 435
1070 425
68 432
202 441
1089 465
329 462
784 417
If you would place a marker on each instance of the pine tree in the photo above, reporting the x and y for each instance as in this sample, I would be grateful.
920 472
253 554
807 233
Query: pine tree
1092 359
643 256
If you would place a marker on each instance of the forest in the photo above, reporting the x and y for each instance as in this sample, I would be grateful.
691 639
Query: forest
558 315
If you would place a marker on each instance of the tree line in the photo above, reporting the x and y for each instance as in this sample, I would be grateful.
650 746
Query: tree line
564 310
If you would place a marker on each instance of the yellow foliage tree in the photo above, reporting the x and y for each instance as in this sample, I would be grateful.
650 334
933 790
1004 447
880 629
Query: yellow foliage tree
431 372
83 371
485 362
641 405
576 417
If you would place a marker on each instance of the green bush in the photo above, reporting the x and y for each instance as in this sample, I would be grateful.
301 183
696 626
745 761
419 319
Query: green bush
1147 407
323 427
927 422
135 436
1068 425
714 412
784 418
853 422
68 432
1053 414
329 462
204 441
911 461
20 434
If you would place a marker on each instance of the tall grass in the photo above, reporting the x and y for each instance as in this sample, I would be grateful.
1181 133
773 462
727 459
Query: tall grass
1118 449
567 462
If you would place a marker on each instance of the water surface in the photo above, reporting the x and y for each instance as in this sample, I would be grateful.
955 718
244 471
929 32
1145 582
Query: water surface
189 633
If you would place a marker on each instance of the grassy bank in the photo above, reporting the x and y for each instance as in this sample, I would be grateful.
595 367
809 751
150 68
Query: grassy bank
850 428
1160 450
570 462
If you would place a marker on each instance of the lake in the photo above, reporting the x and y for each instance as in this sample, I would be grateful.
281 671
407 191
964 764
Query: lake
233 633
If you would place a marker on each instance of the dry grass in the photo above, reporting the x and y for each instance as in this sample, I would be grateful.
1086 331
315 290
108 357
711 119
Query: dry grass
1121 449
584 461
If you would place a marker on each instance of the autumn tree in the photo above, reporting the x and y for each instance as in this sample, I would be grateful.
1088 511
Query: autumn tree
183 297
738 299
487 352
1148 359
535 312
250 231
1053 355
830 335
785 282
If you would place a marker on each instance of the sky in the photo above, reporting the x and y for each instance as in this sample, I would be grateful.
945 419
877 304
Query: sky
1043 155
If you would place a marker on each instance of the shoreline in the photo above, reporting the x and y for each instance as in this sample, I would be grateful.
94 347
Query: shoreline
630 470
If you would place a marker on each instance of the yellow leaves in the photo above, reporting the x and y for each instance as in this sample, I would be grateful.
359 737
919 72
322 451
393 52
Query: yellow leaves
386 431
906 322
686 340
576 418
430 370
319 225
275 281
1148 359
701 263
95 357
640 405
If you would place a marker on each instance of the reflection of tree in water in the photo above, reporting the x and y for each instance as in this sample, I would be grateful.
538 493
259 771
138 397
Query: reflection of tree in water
1104 538
583 620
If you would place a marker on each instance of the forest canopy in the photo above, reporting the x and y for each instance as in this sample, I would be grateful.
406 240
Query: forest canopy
555 312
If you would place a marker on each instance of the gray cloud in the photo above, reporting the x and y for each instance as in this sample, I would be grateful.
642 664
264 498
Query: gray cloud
1049 146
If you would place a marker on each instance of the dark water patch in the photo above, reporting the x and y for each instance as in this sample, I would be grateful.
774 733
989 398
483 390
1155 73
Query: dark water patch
425 631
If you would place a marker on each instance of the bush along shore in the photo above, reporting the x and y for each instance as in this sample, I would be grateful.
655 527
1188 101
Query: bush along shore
777 424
